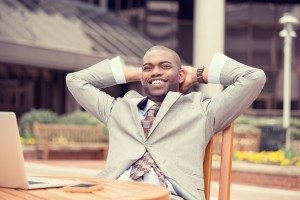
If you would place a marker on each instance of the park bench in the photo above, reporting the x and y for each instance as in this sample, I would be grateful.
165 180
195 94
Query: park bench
62 137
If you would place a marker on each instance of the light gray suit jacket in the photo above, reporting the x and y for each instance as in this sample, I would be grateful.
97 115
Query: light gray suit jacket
182 127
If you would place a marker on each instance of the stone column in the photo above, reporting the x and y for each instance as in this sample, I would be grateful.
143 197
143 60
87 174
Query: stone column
209 26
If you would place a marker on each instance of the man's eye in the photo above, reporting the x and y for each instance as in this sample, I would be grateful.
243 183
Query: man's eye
166 66
146 68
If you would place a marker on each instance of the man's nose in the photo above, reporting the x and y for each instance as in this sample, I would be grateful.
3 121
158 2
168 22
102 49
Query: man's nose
156 71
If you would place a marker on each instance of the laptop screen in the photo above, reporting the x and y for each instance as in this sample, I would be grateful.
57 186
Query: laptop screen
12 167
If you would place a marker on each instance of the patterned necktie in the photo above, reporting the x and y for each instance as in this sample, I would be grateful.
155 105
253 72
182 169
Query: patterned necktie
144 164
148 121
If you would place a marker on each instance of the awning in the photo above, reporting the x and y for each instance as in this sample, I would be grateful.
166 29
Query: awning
65 35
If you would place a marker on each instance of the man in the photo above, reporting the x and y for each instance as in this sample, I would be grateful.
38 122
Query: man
165 147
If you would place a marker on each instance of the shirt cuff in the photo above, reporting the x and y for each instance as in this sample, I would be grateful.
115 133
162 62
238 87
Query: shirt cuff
116 65
215 68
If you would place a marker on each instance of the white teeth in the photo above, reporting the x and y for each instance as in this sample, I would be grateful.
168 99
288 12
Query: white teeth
156 82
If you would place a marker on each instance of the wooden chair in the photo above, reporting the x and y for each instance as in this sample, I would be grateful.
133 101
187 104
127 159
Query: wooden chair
225 165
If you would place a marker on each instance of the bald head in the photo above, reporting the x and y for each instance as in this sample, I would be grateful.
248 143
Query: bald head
158 48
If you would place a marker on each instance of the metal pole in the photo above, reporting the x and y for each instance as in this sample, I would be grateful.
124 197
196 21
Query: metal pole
288 21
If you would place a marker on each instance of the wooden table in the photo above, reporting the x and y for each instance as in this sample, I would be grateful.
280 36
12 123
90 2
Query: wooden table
113 189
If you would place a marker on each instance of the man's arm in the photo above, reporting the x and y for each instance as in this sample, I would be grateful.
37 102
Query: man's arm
132 74
244 85
85 85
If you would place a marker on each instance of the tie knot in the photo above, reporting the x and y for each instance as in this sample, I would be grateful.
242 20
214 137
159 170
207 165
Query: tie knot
153 110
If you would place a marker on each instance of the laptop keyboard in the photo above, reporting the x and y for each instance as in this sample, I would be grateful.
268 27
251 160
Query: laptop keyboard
34 182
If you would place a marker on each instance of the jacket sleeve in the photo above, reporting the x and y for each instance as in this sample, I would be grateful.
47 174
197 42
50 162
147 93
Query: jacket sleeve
85 85
244 84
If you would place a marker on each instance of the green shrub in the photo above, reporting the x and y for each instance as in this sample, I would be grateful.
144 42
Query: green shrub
295 122
254 121
84 118
241 129
79 117
48 117
295 133
27 119
258 121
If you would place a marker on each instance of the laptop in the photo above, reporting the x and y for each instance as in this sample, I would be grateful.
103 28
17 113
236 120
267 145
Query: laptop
12 165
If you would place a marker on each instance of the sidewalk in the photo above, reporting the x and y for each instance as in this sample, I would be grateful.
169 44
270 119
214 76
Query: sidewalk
245 192
92 167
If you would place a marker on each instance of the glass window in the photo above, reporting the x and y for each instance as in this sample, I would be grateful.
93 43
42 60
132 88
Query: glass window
252 37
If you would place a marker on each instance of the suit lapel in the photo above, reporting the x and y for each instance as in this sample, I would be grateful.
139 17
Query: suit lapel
169 100
135 113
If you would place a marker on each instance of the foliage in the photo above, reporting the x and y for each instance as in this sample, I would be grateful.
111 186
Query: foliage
26 121
280 157
45 116
84 118
295 133
246 129
258 121
26 140
255 121
78 117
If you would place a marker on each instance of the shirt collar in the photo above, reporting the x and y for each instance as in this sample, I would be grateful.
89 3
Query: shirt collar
145 104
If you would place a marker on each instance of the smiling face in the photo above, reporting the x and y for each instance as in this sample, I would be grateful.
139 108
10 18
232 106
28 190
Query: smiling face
161 73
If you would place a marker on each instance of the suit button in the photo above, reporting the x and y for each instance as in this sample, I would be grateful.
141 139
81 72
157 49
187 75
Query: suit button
147 145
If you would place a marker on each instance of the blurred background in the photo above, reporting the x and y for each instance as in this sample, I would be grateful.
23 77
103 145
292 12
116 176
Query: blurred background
43 40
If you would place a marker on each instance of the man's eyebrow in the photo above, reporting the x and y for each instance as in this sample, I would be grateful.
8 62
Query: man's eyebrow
165 62
162 62
147 64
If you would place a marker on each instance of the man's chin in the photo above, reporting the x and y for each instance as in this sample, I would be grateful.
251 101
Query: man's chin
157 94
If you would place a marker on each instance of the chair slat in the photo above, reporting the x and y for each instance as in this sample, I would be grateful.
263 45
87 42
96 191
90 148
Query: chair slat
207 167
225 165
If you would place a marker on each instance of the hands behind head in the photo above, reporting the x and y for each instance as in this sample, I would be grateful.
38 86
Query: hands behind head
190 78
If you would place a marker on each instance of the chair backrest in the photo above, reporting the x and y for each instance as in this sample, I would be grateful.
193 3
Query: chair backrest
225 165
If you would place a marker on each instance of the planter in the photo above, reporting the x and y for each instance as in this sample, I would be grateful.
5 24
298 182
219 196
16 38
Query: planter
246 138
282 177
273 137
31 153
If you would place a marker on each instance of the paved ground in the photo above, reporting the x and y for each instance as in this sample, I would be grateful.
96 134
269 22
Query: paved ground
92 167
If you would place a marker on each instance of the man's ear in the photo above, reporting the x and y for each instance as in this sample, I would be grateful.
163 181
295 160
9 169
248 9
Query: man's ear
181 75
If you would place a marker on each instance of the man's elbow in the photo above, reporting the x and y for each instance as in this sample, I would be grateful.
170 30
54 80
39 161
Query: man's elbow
261 76
70 79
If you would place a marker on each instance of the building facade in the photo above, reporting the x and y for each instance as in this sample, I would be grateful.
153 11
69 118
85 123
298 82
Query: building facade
41 41
251 36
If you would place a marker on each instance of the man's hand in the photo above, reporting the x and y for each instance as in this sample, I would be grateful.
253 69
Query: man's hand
132 74
190 78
